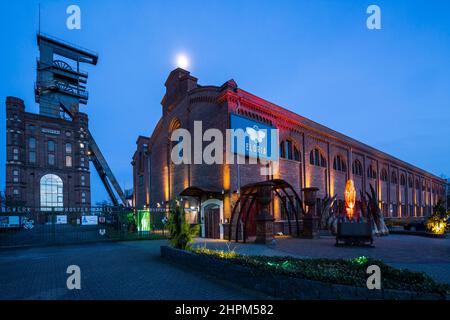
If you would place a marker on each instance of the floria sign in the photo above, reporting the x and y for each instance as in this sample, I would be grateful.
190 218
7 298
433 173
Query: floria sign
259 140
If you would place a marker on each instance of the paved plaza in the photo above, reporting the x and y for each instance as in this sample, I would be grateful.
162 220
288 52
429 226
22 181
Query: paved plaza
135 270
113 270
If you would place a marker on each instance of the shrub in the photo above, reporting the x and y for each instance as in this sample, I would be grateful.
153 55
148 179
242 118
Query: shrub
437 223
180 232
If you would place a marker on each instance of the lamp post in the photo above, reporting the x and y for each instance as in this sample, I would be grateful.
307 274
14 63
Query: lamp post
148 156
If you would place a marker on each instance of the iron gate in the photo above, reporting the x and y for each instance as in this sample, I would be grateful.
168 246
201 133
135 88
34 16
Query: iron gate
25 226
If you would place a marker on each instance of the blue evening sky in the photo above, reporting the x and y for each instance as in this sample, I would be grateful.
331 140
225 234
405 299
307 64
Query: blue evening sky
389 88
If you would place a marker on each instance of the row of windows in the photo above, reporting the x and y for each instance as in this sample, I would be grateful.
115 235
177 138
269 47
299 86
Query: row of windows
289 151
51 151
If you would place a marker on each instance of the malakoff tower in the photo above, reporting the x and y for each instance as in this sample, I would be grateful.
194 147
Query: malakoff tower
311 155
48 154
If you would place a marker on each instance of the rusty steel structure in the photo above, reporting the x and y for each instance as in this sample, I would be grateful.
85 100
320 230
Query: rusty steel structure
60 88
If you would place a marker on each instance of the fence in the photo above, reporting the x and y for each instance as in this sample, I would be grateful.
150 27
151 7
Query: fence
25 226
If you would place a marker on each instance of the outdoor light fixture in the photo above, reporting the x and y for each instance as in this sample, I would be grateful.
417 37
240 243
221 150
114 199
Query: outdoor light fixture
350 198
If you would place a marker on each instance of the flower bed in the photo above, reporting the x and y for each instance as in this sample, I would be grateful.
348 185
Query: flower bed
335 271
291 278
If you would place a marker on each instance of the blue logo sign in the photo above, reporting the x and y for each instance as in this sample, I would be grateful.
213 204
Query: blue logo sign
253 139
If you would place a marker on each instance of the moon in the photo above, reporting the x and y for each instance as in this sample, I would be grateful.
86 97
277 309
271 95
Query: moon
182 61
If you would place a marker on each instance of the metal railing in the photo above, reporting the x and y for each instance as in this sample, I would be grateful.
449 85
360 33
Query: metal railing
61 86
25 226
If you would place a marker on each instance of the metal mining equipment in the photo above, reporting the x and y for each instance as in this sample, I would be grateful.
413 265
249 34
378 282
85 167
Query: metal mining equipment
60 88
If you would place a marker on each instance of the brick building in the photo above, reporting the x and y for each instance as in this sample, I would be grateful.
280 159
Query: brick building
47 154
47 163
311 155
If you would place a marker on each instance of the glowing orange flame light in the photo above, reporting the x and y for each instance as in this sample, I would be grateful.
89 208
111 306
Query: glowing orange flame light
350 198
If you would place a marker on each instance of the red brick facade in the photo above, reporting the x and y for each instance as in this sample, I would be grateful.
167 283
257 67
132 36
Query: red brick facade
28 157
405 189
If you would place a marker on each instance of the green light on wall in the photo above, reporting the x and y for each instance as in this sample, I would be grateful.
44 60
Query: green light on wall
143 220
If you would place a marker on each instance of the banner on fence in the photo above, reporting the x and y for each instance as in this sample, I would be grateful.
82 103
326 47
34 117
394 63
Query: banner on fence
61 219
89 220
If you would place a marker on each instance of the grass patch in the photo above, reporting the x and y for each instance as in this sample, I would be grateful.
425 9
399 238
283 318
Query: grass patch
335 271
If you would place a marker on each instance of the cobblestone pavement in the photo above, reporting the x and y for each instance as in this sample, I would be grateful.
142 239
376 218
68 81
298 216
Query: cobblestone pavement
428 255
113 270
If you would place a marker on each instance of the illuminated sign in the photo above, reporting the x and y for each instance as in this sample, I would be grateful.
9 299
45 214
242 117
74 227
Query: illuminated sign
253 139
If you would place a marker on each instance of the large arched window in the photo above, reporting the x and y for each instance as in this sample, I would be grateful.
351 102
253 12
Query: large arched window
289 151
51 192
339 164
316 158
357 168
174 125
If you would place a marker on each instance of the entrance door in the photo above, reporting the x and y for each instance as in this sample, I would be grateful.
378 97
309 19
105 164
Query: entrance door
212 222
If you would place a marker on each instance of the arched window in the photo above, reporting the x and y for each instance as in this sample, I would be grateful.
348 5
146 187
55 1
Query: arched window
402 179
339 164
394 178
371 173
289 151
175 124
51 187
357 168
417 185
383 175
316 158
410 182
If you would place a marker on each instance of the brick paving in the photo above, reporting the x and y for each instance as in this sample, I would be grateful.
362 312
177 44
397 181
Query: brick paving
134 269
428 255
115 270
